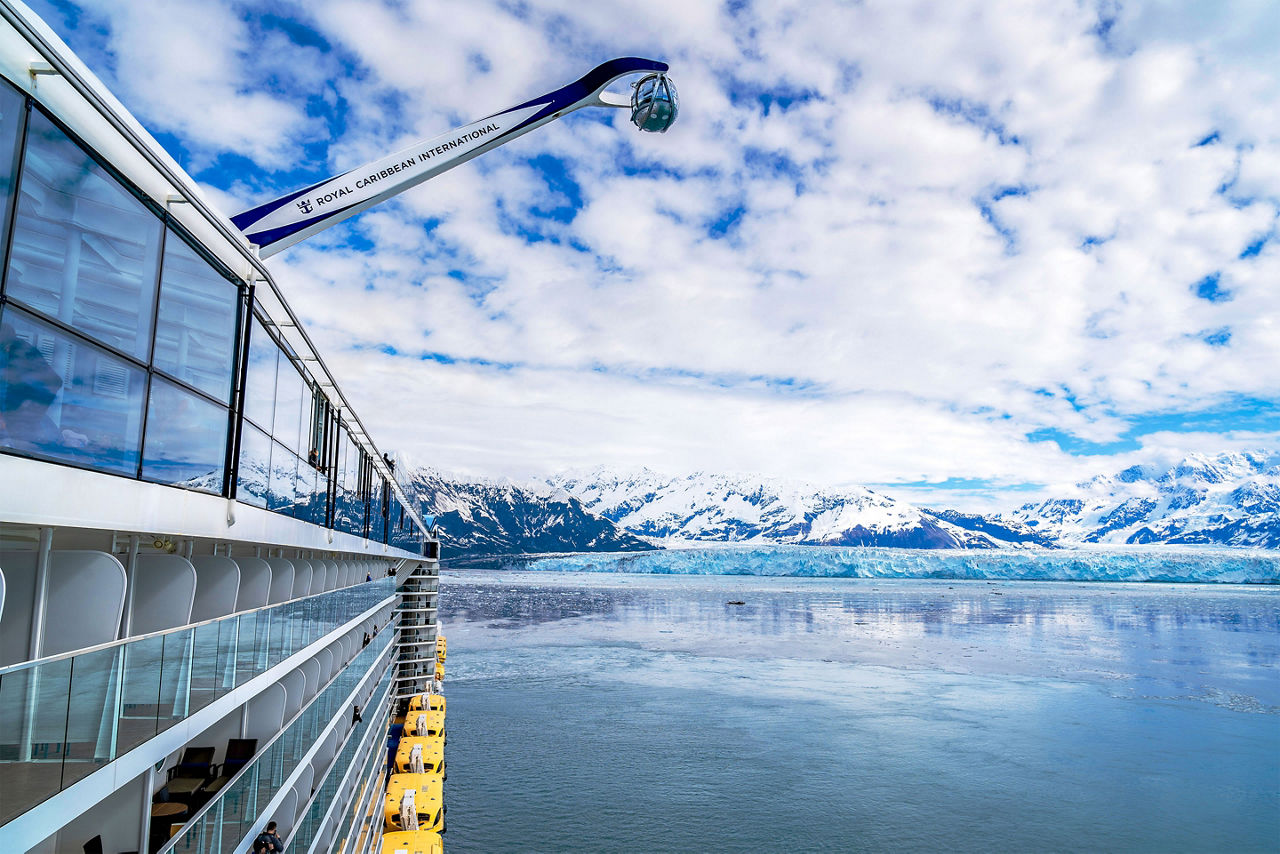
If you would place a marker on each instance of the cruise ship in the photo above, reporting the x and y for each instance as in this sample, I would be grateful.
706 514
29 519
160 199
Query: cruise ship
214 594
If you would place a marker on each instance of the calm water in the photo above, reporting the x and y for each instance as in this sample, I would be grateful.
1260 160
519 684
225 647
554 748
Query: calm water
645 713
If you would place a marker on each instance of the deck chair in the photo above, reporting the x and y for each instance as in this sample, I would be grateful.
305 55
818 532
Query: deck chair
193 770
239 752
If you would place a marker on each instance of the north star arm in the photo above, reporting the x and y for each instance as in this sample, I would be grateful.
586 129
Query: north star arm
294 217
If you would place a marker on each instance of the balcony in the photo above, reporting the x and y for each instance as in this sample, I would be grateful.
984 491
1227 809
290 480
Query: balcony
267 784
64 717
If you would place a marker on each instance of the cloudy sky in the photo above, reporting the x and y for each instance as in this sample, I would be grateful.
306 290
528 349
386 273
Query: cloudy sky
961 251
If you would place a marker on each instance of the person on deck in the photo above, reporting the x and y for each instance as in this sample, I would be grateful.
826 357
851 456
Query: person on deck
268 841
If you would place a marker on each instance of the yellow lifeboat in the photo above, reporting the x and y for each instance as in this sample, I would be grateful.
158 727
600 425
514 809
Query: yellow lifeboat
420 755
423 722
412 842
416 794
441 648
439 672
434 702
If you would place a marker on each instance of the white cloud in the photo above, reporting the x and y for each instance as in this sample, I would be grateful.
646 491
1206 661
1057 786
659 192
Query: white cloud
947 225
191 68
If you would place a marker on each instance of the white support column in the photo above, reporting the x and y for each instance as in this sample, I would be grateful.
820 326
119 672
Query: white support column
131 574
40 597
144 820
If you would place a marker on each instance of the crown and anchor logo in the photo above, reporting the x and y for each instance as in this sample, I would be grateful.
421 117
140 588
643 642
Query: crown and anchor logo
304 206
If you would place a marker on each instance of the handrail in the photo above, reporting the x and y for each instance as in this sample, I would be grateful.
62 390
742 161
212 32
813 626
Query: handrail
48 659
192 195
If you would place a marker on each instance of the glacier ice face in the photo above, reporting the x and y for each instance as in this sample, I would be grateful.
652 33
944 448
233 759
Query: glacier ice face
1129 564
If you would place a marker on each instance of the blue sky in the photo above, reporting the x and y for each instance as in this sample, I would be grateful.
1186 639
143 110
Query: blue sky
964 252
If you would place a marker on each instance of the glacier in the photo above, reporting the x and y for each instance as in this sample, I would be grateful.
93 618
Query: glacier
1198 565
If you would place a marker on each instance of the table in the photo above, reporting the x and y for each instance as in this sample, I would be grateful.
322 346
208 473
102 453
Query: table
168 809
163 817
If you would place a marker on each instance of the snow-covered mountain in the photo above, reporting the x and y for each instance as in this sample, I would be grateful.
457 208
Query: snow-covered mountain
721 508
1230 499
490 517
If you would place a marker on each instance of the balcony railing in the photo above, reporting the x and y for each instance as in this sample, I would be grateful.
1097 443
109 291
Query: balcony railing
361 741
221 825
65 717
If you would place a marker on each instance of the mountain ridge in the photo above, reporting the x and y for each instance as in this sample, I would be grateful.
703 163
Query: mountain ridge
1229 499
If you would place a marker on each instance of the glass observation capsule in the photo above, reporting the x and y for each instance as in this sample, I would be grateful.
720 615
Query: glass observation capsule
654 104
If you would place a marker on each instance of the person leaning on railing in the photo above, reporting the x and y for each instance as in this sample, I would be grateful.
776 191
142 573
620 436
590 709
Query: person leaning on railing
268 841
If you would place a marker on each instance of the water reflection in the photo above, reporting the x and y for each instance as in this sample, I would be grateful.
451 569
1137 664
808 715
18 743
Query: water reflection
1188 638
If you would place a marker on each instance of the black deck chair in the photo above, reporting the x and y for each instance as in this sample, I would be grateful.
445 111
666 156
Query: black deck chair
239 752
193 770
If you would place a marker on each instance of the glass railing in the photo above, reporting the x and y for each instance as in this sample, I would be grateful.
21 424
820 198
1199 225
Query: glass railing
63 718
356 819
225 821
309 825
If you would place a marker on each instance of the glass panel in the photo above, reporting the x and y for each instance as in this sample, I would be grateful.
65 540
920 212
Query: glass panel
301 489
66 398
196 323
213 643
281 624
350 464
251 645
314 485
175 678
282 489
255 466
242 805
186 439
260 378
289 395
301 623
85 250
91 719
12 107
377 520
140 692
33 722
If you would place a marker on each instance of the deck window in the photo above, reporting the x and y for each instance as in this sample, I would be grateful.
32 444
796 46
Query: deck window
64 398
290 392
85 250
260 380
13 109
255 466
282 490
186 441
196 322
